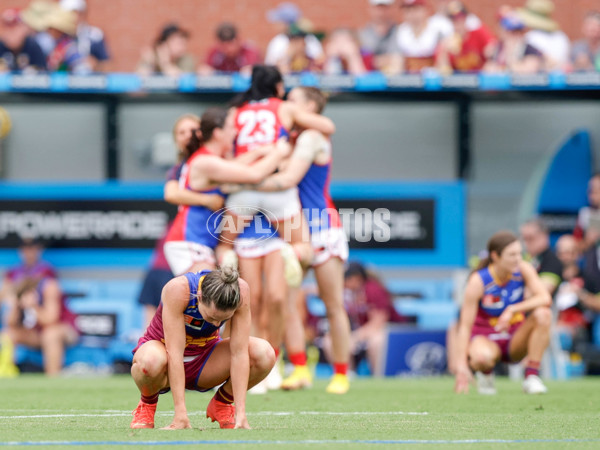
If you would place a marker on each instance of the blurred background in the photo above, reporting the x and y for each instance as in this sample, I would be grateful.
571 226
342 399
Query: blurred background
458 119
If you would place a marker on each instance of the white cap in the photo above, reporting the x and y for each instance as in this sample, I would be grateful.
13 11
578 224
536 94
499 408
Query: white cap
382 2
73 5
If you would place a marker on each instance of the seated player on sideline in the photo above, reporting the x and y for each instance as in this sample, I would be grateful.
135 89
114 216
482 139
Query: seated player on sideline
181 349
493 325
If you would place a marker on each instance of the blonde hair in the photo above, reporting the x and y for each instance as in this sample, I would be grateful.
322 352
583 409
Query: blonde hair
222 288
182 118
316 95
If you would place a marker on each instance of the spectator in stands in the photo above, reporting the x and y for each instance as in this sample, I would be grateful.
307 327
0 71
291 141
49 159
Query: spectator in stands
417 37
64 56
545 33
230 54
536 239
567 251
570 310
512 53
297 58
36 17
169 55
343 55
38 318
370 309
444 24
32 265
282 17
589 294
378 37
587 230
465 50
585 53
90 40
19 51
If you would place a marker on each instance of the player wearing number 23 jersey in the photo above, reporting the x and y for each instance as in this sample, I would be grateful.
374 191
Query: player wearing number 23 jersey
258 124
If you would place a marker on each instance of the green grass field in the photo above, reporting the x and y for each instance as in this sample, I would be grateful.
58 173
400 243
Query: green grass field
388 413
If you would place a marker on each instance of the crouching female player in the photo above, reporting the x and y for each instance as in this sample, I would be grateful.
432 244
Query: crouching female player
505 316
181 349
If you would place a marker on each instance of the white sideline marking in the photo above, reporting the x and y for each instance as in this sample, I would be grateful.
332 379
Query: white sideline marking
198 413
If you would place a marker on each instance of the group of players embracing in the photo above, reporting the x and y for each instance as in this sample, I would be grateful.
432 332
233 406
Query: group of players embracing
253 195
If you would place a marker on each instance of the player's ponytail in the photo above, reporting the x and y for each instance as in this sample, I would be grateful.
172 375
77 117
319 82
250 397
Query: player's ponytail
211 119
497 243
262 85
222 288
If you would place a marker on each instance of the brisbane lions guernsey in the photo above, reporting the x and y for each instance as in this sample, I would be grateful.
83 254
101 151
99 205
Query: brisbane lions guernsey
497 297
191 223
258 124
197 332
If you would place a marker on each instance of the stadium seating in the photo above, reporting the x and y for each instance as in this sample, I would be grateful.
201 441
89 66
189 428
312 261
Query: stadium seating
430 301
109 317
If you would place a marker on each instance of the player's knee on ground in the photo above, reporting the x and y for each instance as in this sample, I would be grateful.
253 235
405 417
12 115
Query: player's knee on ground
542 316
262 355
482 356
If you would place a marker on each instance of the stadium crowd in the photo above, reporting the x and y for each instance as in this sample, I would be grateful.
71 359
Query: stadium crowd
434 35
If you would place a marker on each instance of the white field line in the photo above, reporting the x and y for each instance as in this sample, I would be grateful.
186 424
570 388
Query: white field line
198 413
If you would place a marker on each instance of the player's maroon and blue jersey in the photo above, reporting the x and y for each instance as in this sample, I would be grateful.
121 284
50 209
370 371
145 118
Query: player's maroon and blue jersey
319 209
198 333
39 270
496 298
65 314
192 223
258 124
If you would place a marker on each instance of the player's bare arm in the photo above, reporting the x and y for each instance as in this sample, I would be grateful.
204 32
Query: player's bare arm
240 360
468 312
175 298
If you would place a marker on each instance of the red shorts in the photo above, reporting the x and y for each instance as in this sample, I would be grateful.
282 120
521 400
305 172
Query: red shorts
192 363
501 338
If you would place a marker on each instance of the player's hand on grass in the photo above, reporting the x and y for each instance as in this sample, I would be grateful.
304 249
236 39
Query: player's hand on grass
241 421
463 378
179 423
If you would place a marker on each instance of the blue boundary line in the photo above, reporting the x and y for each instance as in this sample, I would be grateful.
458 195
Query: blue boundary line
305 441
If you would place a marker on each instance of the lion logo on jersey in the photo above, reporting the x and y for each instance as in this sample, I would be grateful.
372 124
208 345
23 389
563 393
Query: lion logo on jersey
492 301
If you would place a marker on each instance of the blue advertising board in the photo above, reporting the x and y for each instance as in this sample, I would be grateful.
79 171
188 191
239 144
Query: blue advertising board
118 224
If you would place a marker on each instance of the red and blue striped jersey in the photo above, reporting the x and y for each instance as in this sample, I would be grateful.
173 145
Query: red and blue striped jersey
192 223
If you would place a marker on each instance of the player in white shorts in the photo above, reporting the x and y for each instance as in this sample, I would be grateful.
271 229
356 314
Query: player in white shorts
260 262
191 240
309 168
262 118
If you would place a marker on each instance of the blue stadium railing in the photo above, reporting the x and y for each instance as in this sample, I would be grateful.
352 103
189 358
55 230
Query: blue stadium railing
370 82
